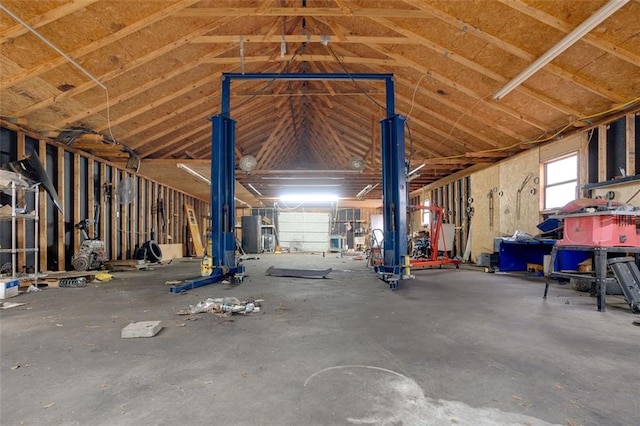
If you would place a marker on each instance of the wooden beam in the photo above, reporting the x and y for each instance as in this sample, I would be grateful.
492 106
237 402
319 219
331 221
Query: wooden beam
181 138
311 38
568 75
141 89
602 152
583 163
165 99
76 201
346 10
304 58
206 139
123 69
203 12
61 195
488 154
96 45
263 6
91 196
631 145
455 124
137 143
44 19
434 47
268 145
331 131
481 99
611 48
452 161
445 101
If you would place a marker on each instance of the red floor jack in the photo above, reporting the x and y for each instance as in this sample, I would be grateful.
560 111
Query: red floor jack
428 256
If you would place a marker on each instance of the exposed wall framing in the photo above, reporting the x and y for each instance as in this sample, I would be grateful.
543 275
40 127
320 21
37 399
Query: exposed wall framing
83 181
453 197
601 151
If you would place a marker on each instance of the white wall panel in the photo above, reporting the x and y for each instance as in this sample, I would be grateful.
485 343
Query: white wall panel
304 231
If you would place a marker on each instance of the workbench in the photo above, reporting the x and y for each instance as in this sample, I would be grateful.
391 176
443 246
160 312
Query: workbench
599 275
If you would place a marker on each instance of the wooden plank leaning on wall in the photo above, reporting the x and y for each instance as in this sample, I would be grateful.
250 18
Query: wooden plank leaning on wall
632 167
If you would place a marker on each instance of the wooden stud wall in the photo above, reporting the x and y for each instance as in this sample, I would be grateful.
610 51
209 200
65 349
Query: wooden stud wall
632 167
122 227
453 198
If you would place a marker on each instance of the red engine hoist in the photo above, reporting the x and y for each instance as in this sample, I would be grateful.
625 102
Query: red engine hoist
431 257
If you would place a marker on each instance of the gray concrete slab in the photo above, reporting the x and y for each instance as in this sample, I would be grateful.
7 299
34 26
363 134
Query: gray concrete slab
141 329
450 347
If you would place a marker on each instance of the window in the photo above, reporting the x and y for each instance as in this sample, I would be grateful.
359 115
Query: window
426 214
561 181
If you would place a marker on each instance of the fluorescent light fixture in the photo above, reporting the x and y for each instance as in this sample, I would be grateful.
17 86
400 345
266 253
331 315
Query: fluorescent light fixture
590 23
242 202
309 198
254 189
413 177
416 169
303 185
364 191
194 173
205 180
301 178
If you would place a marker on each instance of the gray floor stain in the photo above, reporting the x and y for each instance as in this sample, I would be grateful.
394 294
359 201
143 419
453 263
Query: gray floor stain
378 396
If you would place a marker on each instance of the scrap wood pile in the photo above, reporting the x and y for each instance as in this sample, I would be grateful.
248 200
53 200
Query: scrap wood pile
223 306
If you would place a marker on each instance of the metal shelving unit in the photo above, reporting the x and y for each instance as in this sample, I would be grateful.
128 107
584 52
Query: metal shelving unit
16 218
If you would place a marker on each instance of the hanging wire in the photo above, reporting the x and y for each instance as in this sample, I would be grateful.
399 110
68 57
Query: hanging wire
262 90
554 135
344 68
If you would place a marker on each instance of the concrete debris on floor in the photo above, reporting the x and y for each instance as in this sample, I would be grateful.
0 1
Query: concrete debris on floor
141 329
9 305
227 305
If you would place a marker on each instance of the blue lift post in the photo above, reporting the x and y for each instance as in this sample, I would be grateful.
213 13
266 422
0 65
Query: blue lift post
223 181
394 208
223 242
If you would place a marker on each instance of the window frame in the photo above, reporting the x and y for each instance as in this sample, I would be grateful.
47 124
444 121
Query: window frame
546 185
426 213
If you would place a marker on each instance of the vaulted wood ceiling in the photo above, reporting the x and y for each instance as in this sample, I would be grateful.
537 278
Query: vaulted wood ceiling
162 61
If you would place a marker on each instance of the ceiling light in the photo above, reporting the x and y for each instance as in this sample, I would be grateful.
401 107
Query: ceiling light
416 169
309 198
300 178
590 23
206 180
413 177
254 189
364 191
194 173
300 185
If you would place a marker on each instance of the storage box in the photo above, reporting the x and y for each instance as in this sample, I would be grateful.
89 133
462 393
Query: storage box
8 288
487 260
602 229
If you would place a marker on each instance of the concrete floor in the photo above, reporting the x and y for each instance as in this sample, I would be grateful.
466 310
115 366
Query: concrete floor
451 347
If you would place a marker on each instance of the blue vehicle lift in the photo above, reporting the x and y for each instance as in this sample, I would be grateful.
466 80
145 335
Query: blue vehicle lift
394 182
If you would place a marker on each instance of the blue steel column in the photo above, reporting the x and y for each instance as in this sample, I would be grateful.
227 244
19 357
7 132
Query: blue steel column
394 193
222 191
